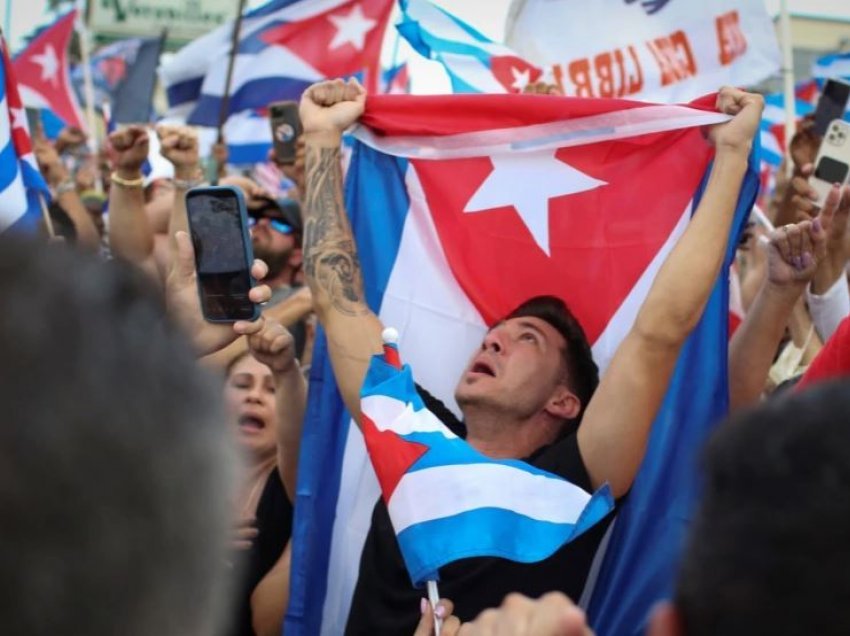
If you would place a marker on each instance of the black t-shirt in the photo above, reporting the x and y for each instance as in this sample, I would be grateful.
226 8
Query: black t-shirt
385 601
274 522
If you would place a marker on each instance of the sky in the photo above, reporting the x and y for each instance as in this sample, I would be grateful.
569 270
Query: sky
488 16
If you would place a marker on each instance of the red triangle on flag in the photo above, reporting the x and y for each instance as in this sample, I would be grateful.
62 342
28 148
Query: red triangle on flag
392 456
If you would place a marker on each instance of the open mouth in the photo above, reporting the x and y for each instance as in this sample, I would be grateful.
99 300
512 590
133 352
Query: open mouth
251 423
483 368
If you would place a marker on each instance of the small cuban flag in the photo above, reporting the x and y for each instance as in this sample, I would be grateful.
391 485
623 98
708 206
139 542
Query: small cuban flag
446 500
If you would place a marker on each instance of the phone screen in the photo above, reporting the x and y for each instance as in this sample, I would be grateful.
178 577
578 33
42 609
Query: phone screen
831 105
831 171
33 121
221 254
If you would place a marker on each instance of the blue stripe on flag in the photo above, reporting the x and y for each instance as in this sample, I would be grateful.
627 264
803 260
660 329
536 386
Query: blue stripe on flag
243 154
8 165
641 559
29 223
256 94
386 199
184 92
319 472
509 535
327 421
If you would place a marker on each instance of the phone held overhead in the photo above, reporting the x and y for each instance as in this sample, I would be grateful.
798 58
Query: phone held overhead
218 226
832 104
286 129
832 164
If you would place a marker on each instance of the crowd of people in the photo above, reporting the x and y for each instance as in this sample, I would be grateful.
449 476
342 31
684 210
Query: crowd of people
151 456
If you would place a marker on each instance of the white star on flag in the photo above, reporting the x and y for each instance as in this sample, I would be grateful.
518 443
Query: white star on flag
49 63
18 118
521 78
527 181
351 28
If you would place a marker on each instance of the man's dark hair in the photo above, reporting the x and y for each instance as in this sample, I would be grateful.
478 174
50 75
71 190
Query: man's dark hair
769 551
115 466
581 369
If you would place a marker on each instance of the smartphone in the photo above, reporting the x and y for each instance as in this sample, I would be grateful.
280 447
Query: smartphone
832 164
286 128
832 104
218 225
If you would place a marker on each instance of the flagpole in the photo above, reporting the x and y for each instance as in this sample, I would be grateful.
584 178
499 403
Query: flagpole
389 336
225 99
788 80
48 222
88 88
7 23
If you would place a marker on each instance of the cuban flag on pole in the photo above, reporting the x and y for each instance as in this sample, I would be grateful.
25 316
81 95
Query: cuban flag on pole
464 206
21 183
502 508
44 74
475 63
284 47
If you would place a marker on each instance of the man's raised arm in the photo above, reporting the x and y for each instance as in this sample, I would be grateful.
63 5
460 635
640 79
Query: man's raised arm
330 255
613 435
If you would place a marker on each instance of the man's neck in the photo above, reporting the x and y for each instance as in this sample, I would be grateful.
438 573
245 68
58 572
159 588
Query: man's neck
501 437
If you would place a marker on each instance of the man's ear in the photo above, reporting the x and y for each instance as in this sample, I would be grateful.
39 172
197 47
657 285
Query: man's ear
563 405
665 620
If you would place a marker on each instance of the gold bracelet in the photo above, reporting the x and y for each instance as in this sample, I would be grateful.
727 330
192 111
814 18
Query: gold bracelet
127 183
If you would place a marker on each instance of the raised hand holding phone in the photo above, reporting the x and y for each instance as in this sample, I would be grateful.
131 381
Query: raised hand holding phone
286 129
222 249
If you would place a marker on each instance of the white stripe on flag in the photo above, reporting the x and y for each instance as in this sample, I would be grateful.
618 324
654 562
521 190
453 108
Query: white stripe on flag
472 71
390 414
13 202
358 493
565 133
5 123
271 63
773 114
474 486
837 68
31 98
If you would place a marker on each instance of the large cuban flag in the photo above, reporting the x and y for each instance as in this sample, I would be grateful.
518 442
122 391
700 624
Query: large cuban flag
474 63
503 508
285 46
464 206
21 183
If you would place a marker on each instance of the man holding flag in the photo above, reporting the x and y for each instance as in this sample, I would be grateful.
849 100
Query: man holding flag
530 390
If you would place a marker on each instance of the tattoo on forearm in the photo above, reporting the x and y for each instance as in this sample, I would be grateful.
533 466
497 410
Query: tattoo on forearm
330 255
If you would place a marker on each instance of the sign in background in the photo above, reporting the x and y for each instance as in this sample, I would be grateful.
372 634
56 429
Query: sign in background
653 50
184 19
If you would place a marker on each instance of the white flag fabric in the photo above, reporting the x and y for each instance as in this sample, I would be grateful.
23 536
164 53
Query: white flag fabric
654 50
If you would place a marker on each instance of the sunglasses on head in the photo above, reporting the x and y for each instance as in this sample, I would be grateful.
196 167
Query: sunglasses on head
275 224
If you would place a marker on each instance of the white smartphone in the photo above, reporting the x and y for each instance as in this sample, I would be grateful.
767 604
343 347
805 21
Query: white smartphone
833 161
